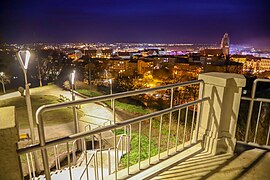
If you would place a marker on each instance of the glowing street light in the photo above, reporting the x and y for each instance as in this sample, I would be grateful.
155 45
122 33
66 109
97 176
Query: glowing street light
110 81
106 73
111 92
24 65
24 58
73 78
75 115
27 58
2 76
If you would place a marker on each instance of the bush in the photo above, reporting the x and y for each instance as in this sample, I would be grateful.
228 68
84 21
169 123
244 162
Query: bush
81 85
21 90
66 85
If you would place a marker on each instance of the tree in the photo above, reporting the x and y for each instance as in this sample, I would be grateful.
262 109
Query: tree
50 63
4 80
162 73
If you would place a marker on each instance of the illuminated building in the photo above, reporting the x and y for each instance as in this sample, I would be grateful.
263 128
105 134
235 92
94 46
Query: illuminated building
241 58
124 55
264 64
77 54
99 53
145 65
225 44
118 64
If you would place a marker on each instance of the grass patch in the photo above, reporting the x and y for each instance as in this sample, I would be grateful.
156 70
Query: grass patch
7 91
119 131
54 117
134 150
88 93
119 105
131 108
174 140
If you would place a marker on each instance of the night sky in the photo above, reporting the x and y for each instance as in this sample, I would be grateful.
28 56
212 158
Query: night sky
156 21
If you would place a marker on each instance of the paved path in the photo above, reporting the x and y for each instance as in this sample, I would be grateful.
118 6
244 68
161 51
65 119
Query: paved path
94 114
9 95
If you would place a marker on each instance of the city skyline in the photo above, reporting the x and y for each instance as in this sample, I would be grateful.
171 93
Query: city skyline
151 22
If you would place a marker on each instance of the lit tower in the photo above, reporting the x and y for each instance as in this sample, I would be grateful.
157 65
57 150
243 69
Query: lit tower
225 44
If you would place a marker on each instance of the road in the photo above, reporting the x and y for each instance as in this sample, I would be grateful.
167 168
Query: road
94 114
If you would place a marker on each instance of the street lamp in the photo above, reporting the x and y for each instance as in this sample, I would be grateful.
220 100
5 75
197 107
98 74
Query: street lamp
112 100
2 75
24 66
76 122
110 81
73 78
111 92
106 74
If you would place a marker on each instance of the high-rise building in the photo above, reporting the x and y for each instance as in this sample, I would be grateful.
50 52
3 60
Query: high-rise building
225 44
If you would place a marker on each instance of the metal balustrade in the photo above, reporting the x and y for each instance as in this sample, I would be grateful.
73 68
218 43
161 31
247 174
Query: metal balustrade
125 138
94 158
252 138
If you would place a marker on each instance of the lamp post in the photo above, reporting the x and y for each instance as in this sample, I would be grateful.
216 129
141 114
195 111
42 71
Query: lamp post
89 77
75 115
106 74
111 91
2 75
24 66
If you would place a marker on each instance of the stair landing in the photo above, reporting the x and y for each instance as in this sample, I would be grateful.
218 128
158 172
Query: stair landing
251 164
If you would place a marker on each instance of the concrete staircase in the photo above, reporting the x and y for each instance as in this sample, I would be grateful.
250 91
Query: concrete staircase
77 170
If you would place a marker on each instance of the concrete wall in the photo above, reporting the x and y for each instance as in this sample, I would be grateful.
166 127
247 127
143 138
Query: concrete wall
9 136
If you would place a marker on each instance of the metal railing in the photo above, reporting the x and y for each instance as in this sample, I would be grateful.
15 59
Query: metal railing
30 165
157 116
94 156
256 120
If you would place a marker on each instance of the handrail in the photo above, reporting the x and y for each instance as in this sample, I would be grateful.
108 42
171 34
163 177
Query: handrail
74 158
57 160
38 146
256 99
49 107
97 150
120 139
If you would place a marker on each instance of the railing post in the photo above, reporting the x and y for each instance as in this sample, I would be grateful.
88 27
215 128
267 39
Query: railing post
44 153
220 112
9 136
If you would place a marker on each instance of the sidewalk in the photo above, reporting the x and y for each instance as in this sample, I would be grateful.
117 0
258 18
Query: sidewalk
94 114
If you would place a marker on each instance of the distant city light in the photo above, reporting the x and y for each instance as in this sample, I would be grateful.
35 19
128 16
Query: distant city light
73 77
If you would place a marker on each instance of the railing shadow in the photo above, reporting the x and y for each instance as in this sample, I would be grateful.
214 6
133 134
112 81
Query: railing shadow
197 167
255 162
174 164
227 162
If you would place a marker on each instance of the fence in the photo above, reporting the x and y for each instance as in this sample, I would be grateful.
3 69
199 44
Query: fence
257 123
157 118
